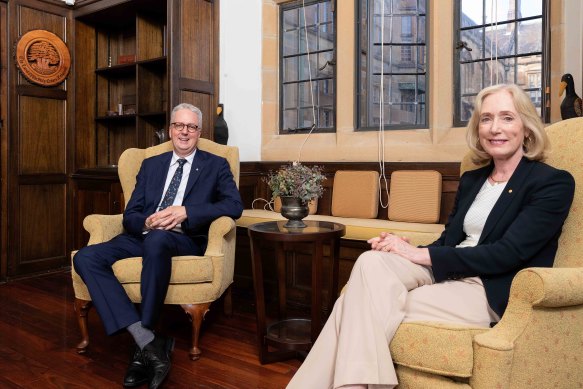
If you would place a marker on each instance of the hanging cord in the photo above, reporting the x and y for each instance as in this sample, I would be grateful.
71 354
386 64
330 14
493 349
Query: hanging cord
310 83
381 133
494 42
268 206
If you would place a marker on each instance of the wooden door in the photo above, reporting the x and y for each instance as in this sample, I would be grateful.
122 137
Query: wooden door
3 138
194 57
37 158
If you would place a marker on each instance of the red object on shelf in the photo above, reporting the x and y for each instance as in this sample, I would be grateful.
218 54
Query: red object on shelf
123 59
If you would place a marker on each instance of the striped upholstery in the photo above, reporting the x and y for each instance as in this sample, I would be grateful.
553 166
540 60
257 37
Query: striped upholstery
415 196
355 194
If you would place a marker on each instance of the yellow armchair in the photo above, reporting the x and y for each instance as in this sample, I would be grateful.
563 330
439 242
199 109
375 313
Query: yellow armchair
538 341
196 281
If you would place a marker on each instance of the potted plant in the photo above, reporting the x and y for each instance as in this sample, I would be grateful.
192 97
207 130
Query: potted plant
296 185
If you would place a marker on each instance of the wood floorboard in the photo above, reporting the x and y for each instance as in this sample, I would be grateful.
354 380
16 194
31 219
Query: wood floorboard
39 331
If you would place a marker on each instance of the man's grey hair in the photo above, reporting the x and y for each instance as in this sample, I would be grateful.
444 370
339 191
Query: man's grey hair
189 107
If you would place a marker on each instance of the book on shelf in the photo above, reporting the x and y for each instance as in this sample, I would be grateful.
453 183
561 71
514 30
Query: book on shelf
125 59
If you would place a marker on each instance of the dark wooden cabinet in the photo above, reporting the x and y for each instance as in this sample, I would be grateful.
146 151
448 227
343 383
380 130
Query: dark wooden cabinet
96 191
60 145
134 61
128 52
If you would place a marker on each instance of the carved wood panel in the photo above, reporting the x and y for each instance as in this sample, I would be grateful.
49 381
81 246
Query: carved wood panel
42 224
42 130
206 103
194 47
37 19
36 169
93 197
3 138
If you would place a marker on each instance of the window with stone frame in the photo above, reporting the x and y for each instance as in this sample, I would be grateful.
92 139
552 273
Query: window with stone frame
392 52
497 42
307 66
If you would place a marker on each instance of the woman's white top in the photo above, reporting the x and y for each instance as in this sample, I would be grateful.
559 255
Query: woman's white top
479 211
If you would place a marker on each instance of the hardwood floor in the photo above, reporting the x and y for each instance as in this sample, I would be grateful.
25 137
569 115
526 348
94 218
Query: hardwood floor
38 334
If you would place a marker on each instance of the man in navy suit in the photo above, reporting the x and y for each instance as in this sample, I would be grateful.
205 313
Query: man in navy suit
177 196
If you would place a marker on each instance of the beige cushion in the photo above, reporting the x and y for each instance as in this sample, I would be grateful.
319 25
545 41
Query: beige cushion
415 196
185 269
355 194
356 229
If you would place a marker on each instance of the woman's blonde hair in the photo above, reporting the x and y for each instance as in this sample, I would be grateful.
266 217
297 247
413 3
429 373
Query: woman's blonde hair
535 144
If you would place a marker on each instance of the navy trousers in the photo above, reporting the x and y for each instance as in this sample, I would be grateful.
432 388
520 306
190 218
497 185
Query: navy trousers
94 265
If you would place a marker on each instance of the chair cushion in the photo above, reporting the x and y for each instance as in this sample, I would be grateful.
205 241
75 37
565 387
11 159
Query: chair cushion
356 229
185 269
355 194
415 196
444 349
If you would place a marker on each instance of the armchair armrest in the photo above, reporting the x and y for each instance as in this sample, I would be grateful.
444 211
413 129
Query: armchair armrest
221 249
102 228
534 287
217 235
542 310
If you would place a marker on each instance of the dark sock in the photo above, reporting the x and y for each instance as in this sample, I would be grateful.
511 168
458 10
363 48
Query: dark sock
142 335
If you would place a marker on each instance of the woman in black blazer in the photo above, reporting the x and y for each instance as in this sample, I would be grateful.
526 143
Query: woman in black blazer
507 216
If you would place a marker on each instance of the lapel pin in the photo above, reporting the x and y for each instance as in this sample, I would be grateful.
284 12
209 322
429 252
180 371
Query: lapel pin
509 190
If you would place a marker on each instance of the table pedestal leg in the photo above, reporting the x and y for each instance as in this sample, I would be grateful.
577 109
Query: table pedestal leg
281 284
316 290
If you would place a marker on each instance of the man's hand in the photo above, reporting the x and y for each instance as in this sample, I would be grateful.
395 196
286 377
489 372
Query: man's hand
166 219
391 243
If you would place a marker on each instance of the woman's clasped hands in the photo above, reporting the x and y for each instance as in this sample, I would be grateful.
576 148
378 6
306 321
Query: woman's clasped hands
400 245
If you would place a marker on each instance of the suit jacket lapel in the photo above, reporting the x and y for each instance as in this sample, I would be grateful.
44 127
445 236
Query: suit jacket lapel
160 178
515 183
198 164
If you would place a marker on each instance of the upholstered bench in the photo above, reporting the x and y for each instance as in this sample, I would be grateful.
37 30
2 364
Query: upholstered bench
414 205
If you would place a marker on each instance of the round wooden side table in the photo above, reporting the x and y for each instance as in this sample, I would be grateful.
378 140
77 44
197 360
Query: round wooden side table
290 335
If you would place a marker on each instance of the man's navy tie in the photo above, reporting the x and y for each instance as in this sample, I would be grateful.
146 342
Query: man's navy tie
173 187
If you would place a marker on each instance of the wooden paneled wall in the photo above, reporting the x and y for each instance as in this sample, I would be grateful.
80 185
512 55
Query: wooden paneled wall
3 135
51 165
35 158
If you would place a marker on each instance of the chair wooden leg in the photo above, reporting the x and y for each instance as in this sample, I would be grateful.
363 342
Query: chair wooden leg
82 308
228 301
196 314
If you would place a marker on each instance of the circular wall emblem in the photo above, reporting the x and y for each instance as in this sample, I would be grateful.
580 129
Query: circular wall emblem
43 58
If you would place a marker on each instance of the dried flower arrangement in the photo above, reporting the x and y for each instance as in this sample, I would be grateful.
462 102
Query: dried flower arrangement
298 181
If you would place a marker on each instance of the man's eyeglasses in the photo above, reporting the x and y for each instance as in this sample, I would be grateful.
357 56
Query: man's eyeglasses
189 127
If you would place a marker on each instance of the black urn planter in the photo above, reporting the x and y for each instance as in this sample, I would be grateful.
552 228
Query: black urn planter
294 209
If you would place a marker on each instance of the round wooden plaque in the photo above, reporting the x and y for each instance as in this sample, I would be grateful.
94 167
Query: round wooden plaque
43 58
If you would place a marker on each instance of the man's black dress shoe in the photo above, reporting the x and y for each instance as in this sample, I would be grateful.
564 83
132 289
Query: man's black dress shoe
136 374
156 356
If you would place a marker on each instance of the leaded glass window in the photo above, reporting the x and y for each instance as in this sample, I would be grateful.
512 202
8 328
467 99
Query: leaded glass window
307 46
499 41
392 47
